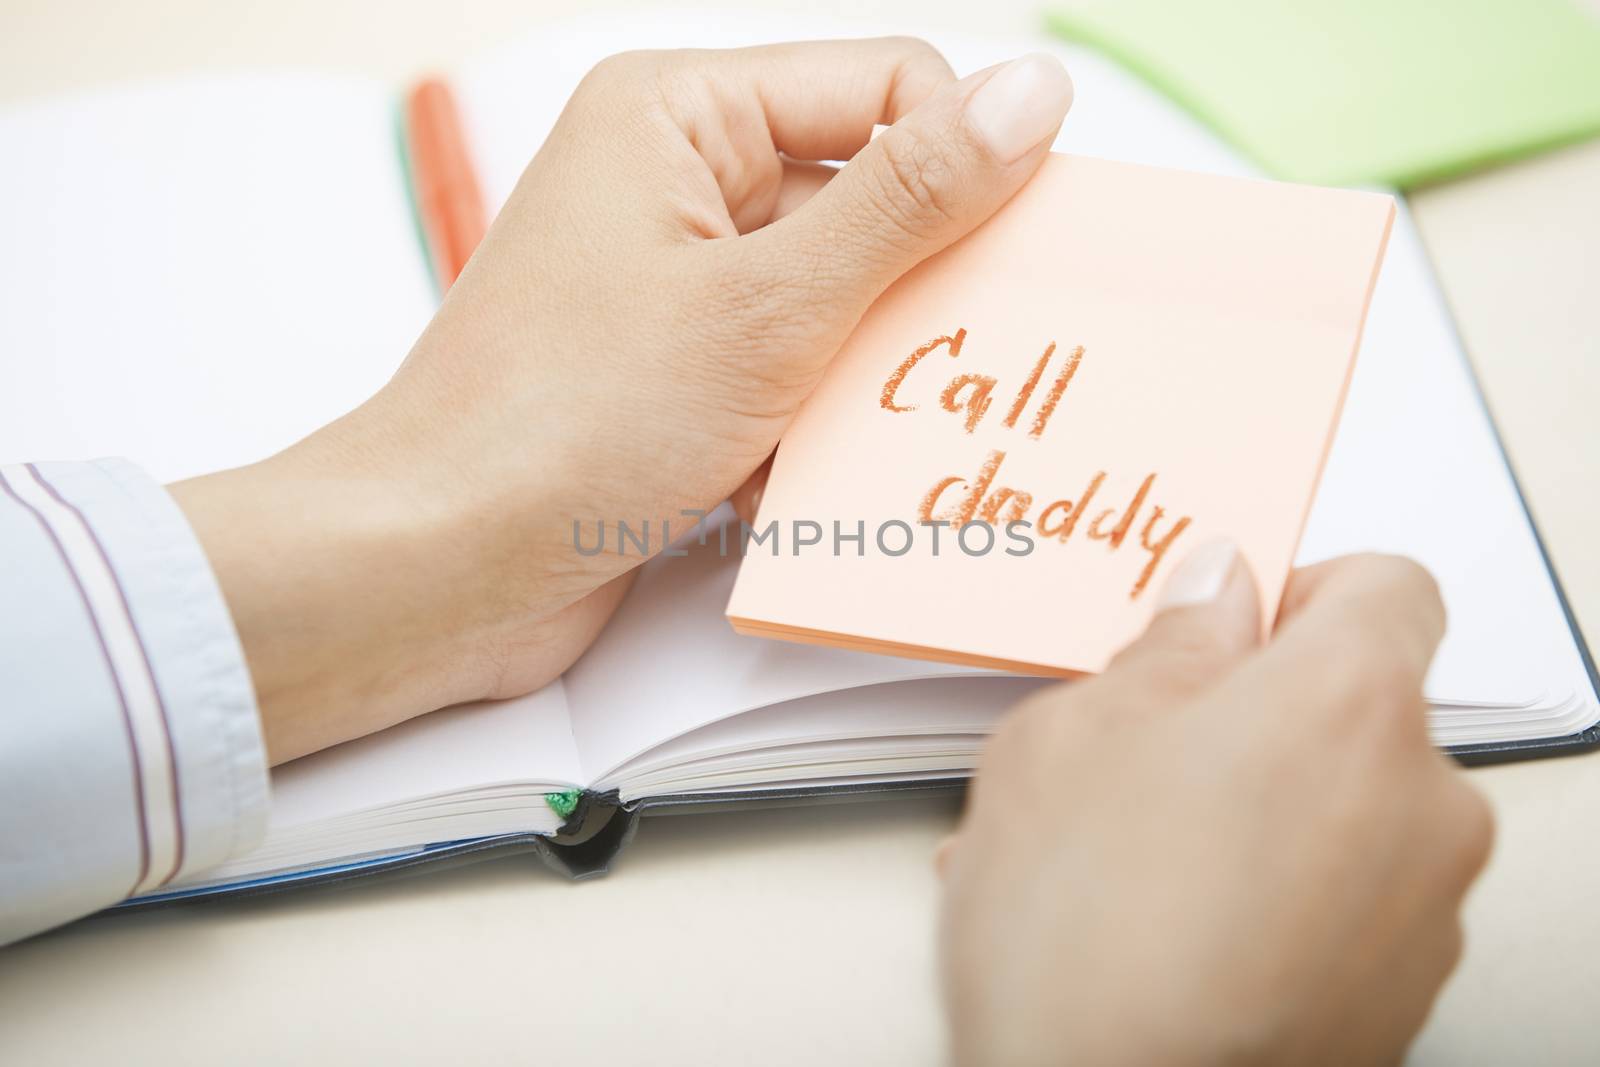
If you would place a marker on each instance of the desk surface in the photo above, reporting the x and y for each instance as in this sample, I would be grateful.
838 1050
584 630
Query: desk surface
793 936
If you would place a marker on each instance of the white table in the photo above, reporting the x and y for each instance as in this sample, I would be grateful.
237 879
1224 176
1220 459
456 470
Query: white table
802 936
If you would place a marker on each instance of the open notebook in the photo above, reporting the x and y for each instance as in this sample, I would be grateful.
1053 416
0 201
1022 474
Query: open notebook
197 273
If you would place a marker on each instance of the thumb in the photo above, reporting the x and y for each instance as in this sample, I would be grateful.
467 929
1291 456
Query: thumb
927 180
1207 620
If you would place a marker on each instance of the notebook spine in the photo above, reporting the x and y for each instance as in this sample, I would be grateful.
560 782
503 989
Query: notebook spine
595 831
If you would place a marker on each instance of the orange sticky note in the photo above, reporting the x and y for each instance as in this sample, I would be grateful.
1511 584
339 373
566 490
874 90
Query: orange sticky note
1027 433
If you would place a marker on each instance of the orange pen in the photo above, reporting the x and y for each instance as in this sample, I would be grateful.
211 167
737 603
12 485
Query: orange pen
448 198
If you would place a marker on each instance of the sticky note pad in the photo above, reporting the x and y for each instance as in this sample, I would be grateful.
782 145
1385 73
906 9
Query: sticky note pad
1026 433
1390 91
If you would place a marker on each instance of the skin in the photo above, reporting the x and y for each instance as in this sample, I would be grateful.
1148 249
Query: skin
663 289
1219 852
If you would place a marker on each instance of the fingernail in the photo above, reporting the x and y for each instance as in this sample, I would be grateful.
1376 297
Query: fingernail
1020 105
1201 577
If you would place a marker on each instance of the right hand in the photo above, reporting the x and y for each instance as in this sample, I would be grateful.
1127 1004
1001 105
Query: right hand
1218 852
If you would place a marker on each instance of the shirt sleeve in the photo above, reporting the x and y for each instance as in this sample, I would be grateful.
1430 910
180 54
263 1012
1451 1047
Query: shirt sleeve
130 745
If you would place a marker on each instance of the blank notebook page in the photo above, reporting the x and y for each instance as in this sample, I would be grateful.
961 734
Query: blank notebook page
198 273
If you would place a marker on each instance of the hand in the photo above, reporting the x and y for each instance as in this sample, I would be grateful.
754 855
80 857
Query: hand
664 287
1216 852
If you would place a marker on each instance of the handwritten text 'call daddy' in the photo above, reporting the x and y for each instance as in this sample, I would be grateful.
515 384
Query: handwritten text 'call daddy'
961 500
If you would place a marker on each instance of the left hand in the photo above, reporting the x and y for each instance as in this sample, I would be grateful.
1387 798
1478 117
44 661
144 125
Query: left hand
663 289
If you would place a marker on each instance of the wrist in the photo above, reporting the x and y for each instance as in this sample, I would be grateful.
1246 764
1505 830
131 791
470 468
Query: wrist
350 591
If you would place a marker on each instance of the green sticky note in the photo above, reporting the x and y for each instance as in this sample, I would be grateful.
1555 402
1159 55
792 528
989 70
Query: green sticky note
1353 91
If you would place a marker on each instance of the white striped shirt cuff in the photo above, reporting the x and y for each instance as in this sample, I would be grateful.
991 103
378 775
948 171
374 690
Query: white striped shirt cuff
130 745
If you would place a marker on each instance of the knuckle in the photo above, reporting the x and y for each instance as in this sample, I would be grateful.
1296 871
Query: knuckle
1475 827
911 183
1393 587
911 44
1403 577
916 51
632 61
620 70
